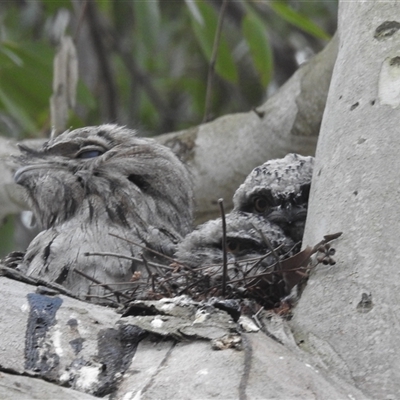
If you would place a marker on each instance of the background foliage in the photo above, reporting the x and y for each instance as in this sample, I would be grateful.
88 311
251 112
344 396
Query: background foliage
147 61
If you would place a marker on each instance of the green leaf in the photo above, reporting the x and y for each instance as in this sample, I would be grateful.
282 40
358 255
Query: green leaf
149 115
105 6
51 7
194 11
7 236
17 112
25 87
204 29
84 96
8 58
147 22
296 19
254 32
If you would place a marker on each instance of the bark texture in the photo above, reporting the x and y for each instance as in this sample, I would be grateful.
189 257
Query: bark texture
347 316
190 352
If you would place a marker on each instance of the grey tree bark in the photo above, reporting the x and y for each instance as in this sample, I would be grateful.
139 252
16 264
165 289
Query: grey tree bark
193 352
348 315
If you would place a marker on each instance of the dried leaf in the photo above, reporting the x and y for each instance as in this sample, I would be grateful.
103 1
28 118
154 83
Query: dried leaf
332 236
294 268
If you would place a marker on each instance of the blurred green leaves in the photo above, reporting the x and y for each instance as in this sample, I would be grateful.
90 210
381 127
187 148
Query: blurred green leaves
7 236
25 82
158 53
204 21
147 20
298 20
256 37
26 71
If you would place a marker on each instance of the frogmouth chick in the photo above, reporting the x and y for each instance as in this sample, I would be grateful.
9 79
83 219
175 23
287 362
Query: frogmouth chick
279 190
248 254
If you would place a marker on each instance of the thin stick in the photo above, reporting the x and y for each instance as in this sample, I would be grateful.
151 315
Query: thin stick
80 20
270 247
211 67
98 35
119 284
246 260
116 293
105 298
241 262
326 239
257 264
148 271
147 248
248 278
225 258
255 317
106 254
191 285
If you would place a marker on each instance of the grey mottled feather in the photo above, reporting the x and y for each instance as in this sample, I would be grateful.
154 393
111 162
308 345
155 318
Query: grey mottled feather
244 236
279 191
245 233
93 181
270 205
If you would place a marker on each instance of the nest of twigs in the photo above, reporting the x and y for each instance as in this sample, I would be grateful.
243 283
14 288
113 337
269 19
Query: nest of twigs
247 279
229 280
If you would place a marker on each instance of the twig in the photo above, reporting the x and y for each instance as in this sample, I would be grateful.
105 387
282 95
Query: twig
191 285
116 293
148 249
326 239
106 254
148 271
141 78
211 67
106 297
247 278
270 247
244 279
119 284
224 255
257 264
97 35
255 317
166 280
82 13
241 262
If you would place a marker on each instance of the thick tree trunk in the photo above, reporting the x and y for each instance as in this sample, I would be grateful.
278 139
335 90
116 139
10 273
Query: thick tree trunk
347 316
193 352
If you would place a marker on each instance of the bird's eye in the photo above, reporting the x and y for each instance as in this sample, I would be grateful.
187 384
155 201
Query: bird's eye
89 154
260 204
232 246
